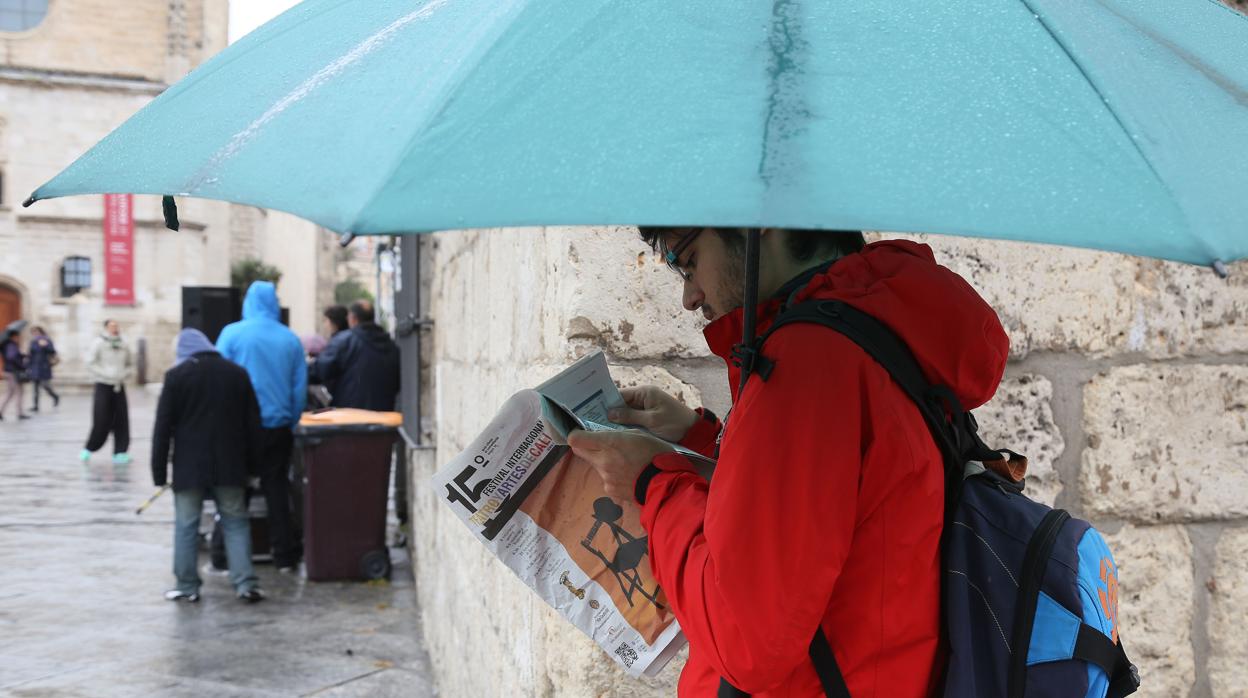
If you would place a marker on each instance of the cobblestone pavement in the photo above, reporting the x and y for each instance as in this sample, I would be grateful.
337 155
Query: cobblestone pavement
82 578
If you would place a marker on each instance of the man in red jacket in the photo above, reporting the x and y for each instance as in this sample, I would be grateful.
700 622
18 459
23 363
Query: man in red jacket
825 507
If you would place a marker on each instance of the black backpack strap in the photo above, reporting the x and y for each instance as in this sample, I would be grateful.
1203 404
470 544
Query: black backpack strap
1094 647
1035 562
825 666
953 428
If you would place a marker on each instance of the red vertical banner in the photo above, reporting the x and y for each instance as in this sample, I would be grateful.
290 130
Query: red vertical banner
118 249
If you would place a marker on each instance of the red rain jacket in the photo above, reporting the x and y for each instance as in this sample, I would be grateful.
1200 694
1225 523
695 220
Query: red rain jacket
827 499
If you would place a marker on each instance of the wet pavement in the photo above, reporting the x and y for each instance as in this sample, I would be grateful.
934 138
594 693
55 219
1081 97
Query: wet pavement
82 578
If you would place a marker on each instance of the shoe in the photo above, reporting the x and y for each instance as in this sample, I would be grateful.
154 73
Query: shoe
56 401
187 596
252 595
84 455
121 459
34 408
287 569
23 416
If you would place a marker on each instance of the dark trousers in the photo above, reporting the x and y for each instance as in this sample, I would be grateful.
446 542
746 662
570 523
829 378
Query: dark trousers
275 450
109 413
44 385
400 481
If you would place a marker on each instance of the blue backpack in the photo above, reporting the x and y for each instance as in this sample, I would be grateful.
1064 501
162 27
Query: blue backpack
1029 594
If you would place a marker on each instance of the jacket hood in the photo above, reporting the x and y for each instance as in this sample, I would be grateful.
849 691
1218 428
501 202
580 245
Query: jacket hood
191 342
954 334
261 302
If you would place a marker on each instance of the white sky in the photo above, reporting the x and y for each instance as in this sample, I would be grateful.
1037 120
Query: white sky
246 15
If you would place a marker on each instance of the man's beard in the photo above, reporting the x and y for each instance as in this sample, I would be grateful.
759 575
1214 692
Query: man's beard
731 284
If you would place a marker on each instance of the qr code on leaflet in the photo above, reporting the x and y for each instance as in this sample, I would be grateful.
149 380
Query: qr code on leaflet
628 654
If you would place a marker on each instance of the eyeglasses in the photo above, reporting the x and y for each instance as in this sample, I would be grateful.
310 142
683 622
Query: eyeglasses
672 256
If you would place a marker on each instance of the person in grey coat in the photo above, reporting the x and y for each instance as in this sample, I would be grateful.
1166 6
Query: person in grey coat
110 364
209 414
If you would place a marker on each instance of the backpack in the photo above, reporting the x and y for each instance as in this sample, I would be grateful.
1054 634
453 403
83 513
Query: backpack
1029 594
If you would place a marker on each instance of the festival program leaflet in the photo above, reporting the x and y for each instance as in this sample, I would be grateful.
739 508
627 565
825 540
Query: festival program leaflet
543 512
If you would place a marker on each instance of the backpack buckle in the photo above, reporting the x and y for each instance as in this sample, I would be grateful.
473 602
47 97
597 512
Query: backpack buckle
750 360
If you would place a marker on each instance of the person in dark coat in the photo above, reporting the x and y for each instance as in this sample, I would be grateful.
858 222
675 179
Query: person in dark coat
42 358
209 412
14 362
361 369
361 366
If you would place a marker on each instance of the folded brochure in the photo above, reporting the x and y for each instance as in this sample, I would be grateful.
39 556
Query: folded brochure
543 512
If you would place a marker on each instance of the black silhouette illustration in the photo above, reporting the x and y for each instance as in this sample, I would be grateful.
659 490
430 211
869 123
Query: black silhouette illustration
629 551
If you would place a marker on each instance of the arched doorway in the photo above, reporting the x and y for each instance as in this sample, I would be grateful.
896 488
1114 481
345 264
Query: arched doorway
10 304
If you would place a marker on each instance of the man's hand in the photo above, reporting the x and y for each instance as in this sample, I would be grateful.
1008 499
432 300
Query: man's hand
617 456
649 407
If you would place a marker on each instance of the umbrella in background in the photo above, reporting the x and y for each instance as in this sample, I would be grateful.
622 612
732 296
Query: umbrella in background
1112 124
14 327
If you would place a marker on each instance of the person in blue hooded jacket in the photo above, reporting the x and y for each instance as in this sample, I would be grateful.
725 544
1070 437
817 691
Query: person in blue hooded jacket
273 357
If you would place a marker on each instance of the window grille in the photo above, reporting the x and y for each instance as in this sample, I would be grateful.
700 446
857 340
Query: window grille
75 275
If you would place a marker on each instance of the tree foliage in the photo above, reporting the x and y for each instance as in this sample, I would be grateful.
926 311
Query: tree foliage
245 271
350 290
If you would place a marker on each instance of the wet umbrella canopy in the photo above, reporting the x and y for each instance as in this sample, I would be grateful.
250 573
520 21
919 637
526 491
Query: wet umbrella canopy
1114 124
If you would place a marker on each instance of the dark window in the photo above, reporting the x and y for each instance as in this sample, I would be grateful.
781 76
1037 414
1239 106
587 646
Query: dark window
75 275
1 187
20 15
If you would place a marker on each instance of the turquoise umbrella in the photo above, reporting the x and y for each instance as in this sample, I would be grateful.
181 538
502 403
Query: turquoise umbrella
1113 124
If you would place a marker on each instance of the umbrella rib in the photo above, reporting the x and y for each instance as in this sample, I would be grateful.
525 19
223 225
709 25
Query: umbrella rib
1104 100
301 91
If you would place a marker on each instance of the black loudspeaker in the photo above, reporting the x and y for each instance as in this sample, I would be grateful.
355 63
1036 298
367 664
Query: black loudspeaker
210 308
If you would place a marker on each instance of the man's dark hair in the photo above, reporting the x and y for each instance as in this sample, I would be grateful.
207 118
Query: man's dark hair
362 311
804 244
106 321
38 329
337 316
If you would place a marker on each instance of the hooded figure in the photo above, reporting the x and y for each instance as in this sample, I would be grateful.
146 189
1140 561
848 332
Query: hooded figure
208 413
272 355
273 358
827 502
190 342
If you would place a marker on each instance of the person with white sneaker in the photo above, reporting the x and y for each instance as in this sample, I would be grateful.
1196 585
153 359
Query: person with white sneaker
110 364
209 414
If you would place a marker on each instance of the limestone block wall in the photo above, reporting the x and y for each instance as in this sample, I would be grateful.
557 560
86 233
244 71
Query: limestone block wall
1127 387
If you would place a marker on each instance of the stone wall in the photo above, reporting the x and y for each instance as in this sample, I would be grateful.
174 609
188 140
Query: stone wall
1127 386
164 39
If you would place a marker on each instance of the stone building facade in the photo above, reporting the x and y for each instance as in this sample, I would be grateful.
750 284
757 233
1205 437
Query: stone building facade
79 71
1127 387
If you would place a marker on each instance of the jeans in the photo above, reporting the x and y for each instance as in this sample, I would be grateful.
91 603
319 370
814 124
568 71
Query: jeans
187 507
12 392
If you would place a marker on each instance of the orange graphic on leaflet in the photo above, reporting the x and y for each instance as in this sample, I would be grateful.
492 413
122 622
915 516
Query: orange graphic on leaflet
613 530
